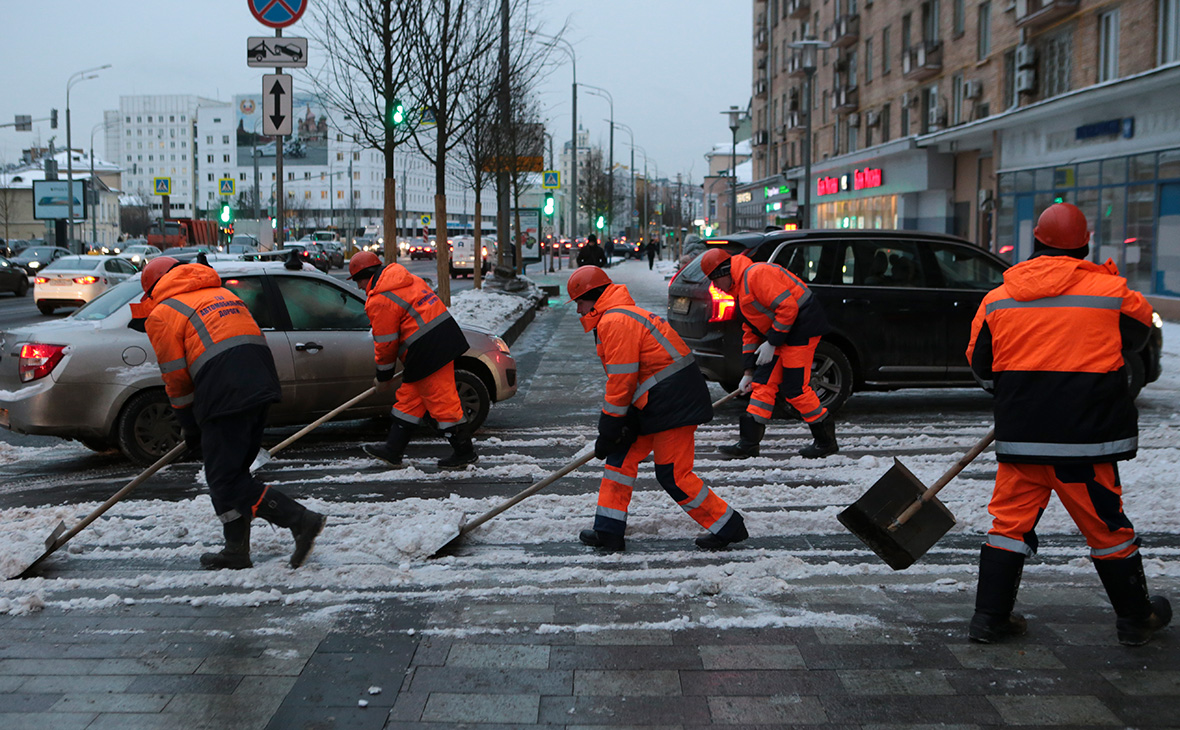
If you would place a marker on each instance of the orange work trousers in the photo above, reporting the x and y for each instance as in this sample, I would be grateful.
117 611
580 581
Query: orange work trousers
435 394
1091 493
673 450
790 371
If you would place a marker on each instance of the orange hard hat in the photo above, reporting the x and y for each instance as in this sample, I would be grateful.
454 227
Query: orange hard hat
361 262
1062 225
715 263
584 280
154 271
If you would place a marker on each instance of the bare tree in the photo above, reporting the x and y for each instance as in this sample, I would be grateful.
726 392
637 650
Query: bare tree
594 190
365 42
135 219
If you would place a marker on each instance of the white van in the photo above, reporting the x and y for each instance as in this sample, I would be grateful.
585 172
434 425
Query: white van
463 255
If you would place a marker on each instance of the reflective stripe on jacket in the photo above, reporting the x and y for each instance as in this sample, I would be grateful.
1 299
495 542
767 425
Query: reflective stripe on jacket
411 324
648 366
196 327
776 305
1049 342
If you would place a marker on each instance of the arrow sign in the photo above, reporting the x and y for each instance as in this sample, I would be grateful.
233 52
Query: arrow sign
276 104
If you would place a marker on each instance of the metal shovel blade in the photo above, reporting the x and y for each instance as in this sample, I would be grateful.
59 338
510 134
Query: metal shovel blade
262 459
871 518
50 546
448 540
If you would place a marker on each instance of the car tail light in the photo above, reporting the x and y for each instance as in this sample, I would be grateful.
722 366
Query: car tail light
723 305
85 279
41 280
37 361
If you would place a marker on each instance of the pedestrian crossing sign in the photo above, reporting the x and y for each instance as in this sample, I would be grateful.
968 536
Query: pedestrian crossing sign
225 186
551 179
162 185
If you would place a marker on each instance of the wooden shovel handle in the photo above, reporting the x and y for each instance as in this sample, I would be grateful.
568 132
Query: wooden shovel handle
945 479
316 423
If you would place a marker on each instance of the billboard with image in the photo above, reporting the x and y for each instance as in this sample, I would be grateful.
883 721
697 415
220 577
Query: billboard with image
51 200
307 145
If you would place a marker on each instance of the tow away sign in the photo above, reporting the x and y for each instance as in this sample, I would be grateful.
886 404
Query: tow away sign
271 52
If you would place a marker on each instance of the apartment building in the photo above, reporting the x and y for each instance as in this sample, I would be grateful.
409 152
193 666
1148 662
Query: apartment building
972 116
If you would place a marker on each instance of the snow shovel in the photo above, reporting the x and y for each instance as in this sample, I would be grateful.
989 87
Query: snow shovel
61 536
583 457
899 518
265 455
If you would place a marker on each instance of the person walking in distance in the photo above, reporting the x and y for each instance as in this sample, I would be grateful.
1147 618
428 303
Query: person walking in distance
781 327
220 377
655 398
653 250
411 324
591 254
1048 343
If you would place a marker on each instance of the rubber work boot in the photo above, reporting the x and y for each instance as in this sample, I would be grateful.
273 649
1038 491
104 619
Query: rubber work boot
824 444
394 448
1139 616
605 541
305 525
462 452
999 580
236 553
733 531
750 434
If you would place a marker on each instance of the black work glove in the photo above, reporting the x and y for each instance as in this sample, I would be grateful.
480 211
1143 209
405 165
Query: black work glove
615 434
188 425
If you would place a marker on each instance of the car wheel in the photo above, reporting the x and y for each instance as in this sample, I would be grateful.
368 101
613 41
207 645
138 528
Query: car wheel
46 309
831 376
147 428
1136 373
22 287
473 394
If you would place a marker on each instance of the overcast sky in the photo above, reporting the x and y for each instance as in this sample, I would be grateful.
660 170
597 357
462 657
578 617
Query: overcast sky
671 66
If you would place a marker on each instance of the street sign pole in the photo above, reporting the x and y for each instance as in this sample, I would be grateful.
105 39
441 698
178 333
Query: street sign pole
280 142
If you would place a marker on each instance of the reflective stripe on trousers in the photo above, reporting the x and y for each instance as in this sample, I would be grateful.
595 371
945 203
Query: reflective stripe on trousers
435 394
793 361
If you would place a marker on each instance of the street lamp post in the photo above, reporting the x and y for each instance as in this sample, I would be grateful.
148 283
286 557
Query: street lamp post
573 205
734 122
809 47
610 204
631 135
76 78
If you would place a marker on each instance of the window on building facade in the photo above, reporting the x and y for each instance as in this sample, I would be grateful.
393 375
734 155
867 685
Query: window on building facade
356 156
1108 45
225 158
208 158
930 21
1058 63
241 176
209 139
1169 31
340 195
904 130
957 99
339 156
852 69
1009 99
853 137
868 60
984 47
958 16
884 124
225 139
906 21
210 177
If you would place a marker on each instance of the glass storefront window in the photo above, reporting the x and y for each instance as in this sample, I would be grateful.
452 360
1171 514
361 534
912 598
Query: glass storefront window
1087 174
1044 179
1143 167
1087 201
1111 229
877 212
1140 242
1064 177
1007 183
1025 181
1006 227
1169 164
1114 172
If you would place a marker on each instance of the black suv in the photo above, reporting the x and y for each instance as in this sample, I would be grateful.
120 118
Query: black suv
900 304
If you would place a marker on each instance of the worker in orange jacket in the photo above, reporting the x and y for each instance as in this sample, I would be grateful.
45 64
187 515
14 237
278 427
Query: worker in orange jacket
655 399
1049 344
782 324
220 378
411 324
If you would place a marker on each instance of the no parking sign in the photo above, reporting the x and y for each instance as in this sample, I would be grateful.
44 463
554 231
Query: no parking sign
277 13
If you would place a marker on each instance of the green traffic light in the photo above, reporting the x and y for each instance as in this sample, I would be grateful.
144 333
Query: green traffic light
548 205
397 114
601 222
227 213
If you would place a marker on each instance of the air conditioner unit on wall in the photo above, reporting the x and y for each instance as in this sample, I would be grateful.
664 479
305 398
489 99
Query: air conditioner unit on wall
854 119
1026 81
872 119
936 117
972 89
1026 56
909 99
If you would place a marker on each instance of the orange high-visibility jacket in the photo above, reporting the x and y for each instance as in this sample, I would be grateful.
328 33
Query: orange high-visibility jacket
210 350
776 305
410 323
1049 343
648 366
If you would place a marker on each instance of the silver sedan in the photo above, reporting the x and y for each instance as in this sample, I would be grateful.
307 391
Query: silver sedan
90 378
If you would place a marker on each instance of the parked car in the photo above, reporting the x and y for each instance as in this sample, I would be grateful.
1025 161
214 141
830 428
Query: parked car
15 246
334 253
463 256
310 254
13 278
34 258
422 249
71 281
90 378
628 249
139 254
900 304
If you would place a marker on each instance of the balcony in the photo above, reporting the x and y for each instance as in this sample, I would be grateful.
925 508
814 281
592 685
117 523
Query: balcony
922 61
1037 13
795 65
761 36
760 88
845 99
793 96
845 31
798 8
795 121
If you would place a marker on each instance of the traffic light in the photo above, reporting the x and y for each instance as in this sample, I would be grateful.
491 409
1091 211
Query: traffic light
53 119
601 222
273 224
227 214
549 204
397 113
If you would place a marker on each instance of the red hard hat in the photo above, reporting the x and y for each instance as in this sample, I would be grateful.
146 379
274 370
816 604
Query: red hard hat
154 271
585 279
1062 225
361 261
714 259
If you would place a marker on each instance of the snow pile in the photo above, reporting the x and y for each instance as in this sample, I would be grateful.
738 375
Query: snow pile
488 310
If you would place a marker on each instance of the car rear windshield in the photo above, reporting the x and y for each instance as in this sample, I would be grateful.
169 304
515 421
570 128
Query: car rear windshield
75 263
110 301
692 272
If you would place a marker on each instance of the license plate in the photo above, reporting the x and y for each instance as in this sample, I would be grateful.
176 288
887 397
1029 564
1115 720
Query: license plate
680 305
60 282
